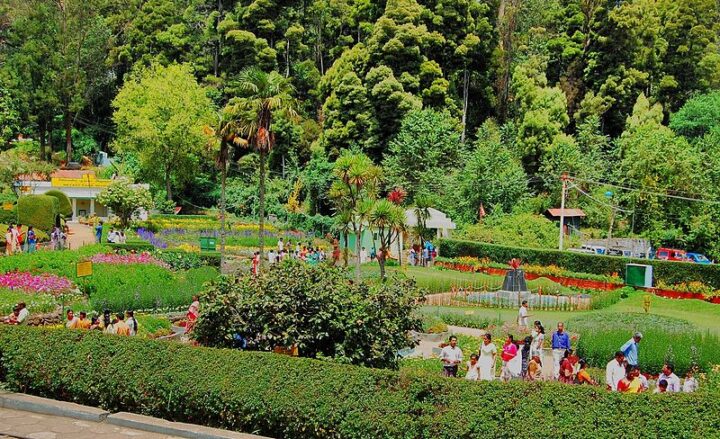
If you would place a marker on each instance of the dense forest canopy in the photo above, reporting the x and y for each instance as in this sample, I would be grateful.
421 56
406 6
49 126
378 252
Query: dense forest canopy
467 102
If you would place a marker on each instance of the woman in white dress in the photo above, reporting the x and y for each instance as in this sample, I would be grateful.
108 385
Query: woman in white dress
488 351
538 338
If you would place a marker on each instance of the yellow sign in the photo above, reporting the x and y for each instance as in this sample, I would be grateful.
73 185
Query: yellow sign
8 206
84 269
88 180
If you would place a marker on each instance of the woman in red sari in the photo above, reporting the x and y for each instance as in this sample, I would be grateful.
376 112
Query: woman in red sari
566 369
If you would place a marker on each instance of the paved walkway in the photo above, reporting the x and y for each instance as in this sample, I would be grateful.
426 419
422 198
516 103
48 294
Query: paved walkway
80 235
22 424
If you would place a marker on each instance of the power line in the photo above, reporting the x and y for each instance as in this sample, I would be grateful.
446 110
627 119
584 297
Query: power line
647 192
598 201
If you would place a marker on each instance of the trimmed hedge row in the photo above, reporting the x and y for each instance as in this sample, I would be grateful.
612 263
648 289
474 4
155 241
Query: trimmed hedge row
668 272
287 397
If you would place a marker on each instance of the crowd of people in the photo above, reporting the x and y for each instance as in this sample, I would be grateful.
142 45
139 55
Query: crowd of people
523 360
17 240
119 324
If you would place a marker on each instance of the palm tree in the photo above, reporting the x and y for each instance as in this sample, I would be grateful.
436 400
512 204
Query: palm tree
223 138
422 214
353 193
263 96
389 221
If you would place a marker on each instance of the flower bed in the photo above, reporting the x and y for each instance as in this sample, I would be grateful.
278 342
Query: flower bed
532 272
44 283
130 258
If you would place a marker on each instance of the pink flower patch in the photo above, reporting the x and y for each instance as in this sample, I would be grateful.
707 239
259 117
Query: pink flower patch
131 258
44 283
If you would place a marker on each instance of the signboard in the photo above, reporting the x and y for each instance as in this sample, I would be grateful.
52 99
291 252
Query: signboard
88 180
84 269
8 206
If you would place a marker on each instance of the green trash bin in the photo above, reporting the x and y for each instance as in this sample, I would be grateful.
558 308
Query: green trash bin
207 243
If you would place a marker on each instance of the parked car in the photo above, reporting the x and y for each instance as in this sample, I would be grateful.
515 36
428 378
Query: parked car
698 258
671 254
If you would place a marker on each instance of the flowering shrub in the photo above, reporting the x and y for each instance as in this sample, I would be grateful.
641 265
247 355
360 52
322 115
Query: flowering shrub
149 236
45 283
130 258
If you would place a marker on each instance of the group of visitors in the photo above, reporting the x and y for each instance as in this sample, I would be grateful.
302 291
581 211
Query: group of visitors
116 237
523 360
422 256
18 316
58 238
16 240
119 324
307 253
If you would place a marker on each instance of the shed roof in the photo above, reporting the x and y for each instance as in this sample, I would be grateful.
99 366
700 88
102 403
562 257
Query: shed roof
568 213
436 220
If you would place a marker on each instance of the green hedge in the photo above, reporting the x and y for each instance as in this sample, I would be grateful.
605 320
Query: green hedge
668 272
65 206
287 397
40 211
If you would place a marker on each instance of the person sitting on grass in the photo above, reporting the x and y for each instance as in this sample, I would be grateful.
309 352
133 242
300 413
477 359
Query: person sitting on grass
12 319
583 377
24 313
534 372
72 321
121 328
94 324
566 368
631 382
83 322
661 387
668 374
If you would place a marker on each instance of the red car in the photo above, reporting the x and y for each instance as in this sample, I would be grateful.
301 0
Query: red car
671 254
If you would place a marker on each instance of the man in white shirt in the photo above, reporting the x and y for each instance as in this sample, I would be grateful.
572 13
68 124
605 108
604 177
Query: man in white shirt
24 313
451 356
281 246
523 315
615 371
668 374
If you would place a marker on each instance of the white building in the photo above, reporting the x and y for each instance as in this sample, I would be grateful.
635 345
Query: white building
81 187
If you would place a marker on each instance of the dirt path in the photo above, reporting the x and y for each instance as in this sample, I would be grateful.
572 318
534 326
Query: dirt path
80 235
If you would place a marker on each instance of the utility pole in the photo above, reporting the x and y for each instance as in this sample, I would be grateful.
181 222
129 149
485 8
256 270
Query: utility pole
564 179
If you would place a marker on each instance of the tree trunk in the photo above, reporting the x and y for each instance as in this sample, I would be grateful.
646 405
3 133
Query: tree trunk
223 206
261 204
68 136
466 86
43 134
381 262
168 186
399 250
218 44
287 61
346 250
358 249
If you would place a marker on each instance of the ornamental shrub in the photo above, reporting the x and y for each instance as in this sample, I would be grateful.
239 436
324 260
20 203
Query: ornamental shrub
39 211
65 206
665 271
285 397
316 308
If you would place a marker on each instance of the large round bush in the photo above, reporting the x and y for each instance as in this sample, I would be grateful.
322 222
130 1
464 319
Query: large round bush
318 309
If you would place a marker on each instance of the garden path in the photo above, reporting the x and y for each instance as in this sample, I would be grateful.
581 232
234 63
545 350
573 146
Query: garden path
425 348
39 426
80 235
